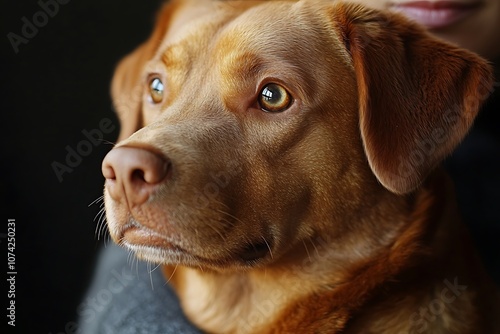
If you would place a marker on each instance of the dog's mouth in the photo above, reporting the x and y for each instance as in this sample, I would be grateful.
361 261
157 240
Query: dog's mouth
140 236
253 252
150 246
153 247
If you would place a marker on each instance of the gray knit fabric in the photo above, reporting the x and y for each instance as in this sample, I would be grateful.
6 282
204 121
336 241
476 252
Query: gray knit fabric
126 299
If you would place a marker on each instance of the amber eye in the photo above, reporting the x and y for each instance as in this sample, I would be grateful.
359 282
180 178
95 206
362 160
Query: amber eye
156 90
274 98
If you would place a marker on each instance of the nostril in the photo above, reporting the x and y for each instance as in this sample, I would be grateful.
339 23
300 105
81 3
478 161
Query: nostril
150 176
135 173
108 172
138 175
153 170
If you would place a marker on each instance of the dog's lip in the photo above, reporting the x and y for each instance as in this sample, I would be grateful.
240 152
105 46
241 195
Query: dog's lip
436 14
140 236
151 243
143 237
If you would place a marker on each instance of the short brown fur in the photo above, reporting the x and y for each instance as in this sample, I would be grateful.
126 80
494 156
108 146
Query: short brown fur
330 217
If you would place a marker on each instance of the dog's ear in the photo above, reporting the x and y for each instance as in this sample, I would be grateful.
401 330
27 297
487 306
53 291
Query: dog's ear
127 86
418 95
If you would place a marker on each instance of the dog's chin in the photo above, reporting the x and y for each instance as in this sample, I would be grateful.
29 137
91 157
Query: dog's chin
176 256
160 255
150 246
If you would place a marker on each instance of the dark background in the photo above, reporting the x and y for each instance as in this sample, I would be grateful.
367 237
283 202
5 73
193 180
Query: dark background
55 87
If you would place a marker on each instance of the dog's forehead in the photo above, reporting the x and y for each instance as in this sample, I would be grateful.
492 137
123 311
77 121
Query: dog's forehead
222 31
186 19
240 44
258 24
280 27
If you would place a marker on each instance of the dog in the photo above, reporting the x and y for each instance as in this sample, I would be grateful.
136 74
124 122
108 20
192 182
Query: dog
281 161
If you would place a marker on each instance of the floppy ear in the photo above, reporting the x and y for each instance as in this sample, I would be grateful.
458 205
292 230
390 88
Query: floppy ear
418 95
127 87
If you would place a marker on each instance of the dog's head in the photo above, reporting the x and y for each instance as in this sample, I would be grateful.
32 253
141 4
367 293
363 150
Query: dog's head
249 128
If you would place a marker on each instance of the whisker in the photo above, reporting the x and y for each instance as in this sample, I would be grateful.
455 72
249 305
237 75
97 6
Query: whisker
103 231
221 203
107 239
150 275
97 227
101 212
107 142
100 198
307 250
130 258
171 275
100 222
132 261
217 231
268 247
230 215
316 249
227 222
156 267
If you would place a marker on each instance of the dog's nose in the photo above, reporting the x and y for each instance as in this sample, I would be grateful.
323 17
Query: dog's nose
133 173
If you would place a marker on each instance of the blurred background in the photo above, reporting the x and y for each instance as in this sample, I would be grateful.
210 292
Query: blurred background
57 61
58 57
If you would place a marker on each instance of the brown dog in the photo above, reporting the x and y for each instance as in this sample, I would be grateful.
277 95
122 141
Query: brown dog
285 169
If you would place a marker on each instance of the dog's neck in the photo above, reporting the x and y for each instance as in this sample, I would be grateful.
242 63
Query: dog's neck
249 302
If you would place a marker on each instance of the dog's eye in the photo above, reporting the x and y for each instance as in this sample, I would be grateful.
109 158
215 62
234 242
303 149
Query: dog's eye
156 90
274 98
